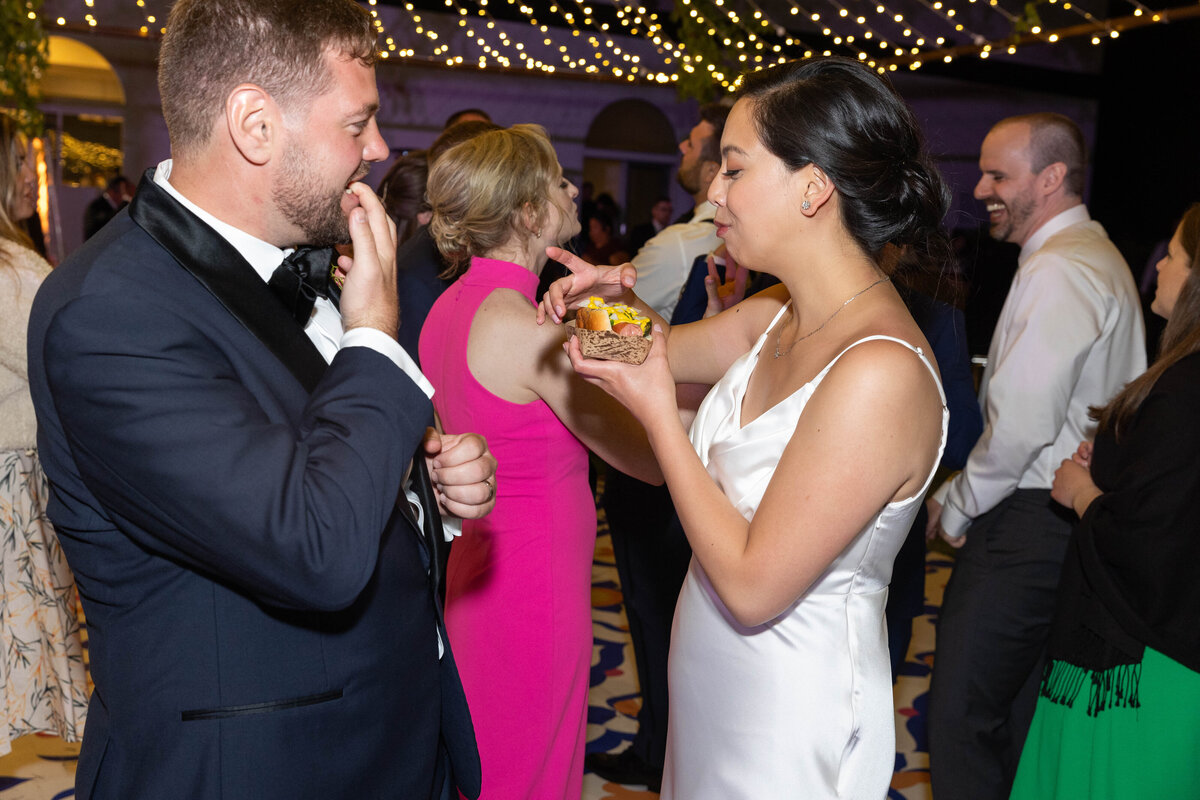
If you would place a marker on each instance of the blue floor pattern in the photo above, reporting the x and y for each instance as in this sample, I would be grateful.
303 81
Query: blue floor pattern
43 767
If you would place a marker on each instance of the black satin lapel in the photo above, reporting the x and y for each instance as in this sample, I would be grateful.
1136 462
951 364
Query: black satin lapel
221 269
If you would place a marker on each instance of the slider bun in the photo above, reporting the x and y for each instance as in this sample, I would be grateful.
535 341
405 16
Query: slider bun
592 319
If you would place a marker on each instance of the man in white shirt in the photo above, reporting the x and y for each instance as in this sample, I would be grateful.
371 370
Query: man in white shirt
1069 337
229 440
663 262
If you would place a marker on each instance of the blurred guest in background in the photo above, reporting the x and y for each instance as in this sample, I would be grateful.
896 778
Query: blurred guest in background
649 547
402 192
41 663
116 195
466 115
660 217
945 329
603 246
421 272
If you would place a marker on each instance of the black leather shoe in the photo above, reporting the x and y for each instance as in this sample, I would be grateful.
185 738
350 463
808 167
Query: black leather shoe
624 767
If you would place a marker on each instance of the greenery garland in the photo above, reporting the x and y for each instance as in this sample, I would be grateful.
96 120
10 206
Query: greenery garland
24 54
700 79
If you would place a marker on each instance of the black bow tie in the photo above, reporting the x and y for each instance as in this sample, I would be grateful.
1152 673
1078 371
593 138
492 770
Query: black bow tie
302 278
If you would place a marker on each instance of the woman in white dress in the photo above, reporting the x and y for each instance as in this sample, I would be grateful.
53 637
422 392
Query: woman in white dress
812 451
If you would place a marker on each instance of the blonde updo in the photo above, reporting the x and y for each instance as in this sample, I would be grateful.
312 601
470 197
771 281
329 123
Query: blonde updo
478 190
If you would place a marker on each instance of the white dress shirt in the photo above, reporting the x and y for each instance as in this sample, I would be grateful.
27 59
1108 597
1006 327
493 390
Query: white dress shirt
665 260
1070 336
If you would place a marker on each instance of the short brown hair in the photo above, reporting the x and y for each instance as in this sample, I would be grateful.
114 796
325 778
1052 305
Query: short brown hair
478 189
211 46
715 115
1054 139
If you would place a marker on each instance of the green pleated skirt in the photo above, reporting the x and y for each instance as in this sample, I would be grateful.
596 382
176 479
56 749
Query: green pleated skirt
1149 751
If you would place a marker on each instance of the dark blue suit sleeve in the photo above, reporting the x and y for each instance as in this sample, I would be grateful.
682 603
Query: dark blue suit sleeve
945 328
418 265
693 300
198 459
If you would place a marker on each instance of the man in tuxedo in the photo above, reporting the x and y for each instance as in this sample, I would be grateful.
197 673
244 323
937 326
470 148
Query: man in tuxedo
229 453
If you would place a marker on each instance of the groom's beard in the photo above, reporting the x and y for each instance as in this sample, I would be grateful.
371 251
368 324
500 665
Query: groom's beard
318 213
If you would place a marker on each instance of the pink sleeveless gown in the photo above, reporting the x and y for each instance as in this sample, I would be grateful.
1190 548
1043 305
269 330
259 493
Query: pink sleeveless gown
518 589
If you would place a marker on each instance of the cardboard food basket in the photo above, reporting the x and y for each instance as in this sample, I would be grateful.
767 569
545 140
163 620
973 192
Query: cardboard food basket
611 346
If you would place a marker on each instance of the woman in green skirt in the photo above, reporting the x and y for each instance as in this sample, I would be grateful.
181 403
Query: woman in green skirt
1119 711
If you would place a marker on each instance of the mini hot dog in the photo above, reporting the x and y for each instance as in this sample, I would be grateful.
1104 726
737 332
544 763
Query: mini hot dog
623 320
612 331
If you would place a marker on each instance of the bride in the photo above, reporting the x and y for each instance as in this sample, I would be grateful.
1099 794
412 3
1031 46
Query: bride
812 451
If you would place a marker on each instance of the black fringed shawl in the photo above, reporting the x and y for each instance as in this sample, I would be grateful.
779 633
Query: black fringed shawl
1131 578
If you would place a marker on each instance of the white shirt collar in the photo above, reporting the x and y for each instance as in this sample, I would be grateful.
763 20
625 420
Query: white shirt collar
1072 216
263 256
703 212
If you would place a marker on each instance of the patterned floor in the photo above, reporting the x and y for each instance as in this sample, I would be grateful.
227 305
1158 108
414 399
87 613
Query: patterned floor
43 767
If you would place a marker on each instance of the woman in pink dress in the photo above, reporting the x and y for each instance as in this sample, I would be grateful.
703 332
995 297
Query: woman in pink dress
518 585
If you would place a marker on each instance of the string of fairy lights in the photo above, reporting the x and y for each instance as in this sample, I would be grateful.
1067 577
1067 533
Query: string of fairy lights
637 47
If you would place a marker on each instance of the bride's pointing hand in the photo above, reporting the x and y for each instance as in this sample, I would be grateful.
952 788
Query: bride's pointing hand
584 281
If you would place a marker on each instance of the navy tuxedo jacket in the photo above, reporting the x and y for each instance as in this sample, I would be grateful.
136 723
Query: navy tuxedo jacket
260 618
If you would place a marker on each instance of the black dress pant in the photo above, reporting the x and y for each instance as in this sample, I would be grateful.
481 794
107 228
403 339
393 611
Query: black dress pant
652 556
906 594
991 635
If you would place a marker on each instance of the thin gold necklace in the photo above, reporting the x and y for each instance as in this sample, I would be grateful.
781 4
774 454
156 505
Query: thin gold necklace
817 329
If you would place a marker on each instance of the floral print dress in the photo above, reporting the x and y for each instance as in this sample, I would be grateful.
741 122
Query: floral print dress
42 673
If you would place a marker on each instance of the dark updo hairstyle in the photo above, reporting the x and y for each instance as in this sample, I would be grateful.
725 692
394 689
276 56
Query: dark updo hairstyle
402 192
841 116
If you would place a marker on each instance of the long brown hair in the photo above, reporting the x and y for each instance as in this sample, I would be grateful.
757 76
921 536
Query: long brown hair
402 192
1180 338
12 146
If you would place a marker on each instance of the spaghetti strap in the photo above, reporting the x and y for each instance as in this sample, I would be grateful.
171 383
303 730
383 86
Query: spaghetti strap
763 337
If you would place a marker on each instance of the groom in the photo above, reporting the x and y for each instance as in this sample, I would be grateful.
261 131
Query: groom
227 451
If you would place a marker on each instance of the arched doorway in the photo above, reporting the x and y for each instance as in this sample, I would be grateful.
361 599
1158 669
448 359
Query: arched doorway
83 102
630 153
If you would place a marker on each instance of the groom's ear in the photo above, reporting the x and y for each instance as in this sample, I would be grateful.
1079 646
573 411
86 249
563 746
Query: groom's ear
254 123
